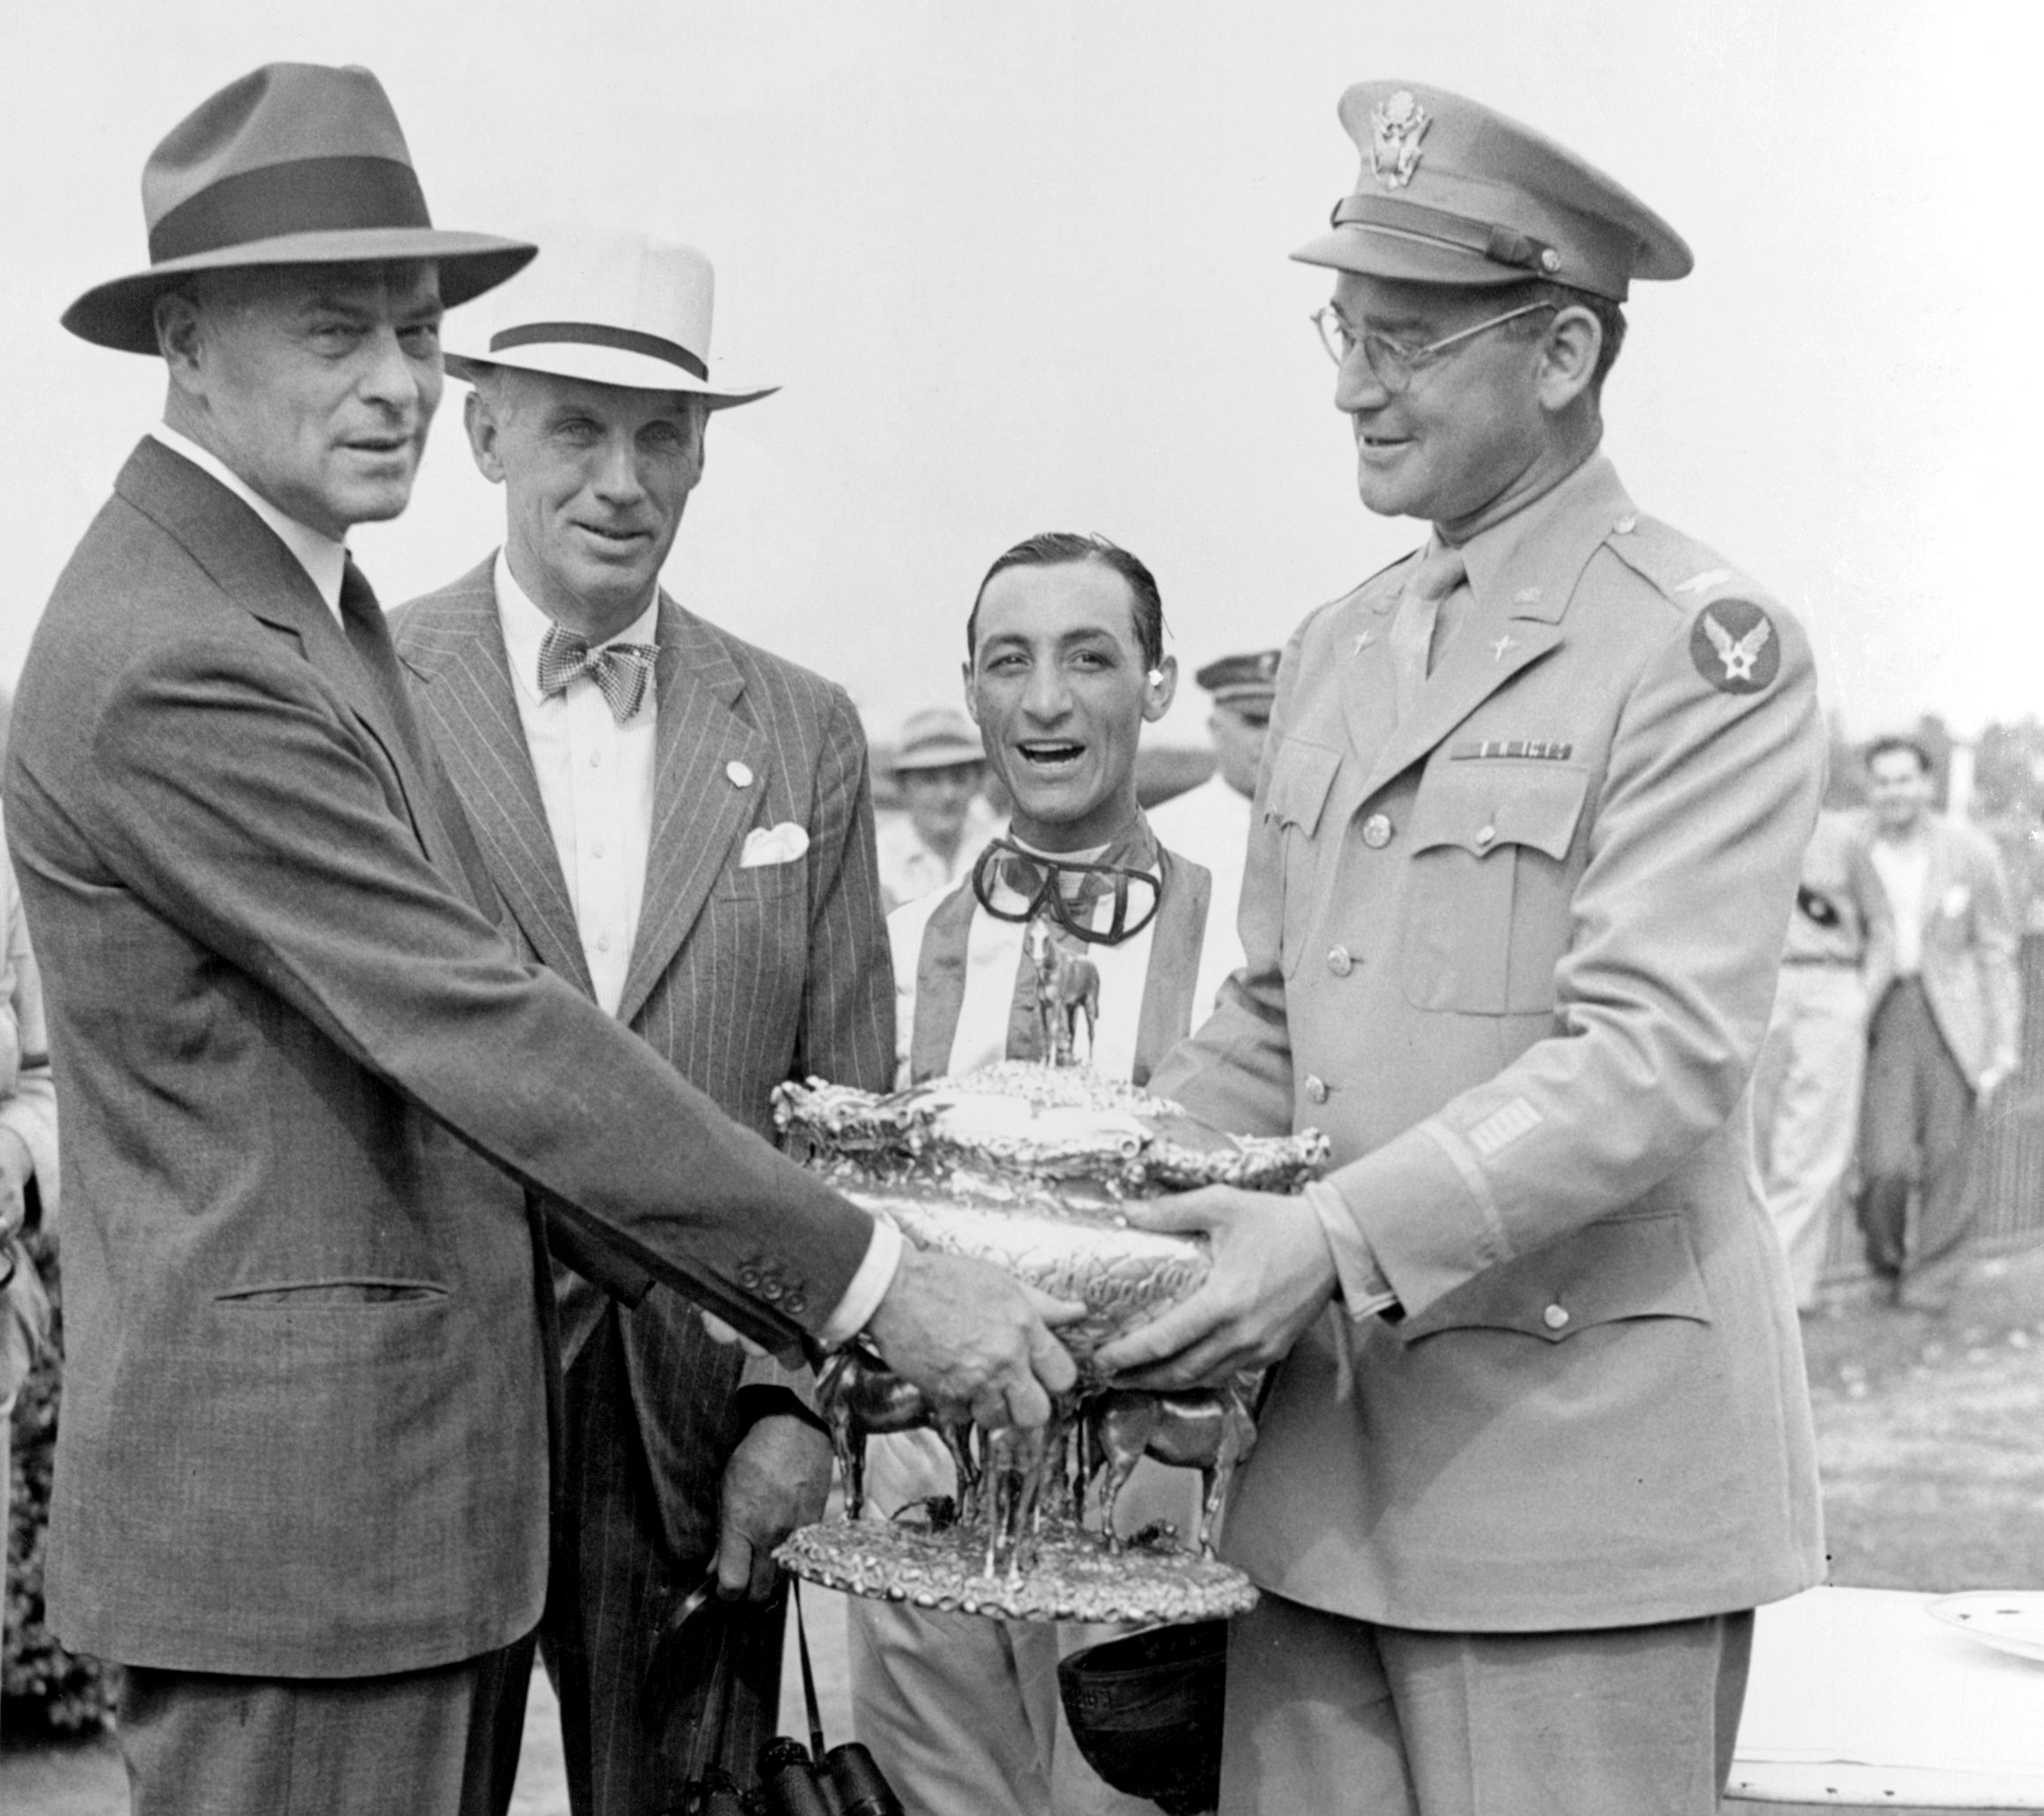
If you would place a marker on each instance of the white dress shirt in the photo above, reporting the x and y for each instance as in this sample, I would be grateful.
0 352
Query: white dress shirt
595 779
322 558
1904 868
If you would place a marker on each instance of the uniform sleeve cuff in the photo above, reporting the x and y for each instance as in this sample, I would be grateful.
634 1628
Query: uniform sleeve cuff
1363 1290
855 1311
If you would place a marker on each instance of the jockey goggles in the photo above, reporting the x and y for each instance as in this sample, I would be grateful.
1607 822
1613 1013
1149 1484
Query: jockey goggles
1065 890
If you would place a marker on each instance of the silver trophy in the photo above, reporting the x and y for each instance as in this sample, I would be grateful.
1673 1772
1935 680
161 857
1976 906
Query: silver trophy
1030 1166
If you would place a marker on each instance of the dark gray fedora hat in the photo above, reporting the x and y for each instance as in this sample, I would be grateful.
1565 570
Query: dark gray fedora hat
293 164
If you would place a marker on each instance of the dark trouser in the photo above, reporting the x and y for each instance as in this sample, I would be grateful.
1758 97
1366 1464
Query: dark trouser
1326 1714
428 1743
1916 1121
626 1756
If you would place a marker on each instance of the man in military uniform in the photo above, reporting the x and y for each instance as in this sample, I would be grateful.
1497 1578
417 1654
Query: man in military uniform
1527 840
1211 823
1806 1088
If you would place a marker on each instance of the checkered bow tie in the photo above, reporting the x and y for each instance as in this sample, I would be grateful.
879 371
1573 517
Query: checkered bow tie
620 671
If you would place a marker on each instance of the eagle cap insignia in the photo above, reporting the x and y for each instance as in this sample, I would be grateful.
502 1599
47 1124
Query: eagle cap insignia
1734 647
1396 126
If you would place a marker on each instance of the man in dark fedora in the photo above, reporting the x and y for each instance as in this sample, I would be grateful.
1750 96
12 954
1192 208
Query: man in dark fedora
1526 839
302 1487
681 824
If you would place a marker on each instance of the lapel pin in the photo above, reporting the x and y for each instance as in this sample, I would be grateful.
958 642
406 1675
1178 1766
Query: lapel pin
741 773
1365 641
1503 643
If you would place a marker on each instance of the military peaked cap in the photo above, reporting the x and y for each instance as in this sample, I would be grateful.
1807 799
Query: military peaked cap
1453 193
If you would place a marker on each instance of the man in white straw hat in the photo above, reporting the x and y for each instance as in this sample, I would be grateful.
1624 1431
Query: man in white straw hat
301 1488
682 827
1527 836
941 770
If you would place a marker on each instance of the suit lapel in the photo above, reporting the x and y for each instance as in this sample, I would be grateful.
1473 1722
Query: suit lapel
254 568
455 645
710 776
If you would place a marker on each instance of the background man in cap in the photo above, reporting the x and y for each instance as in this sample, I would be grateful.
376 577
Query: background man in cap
1065 665
1211 823
941 772
1527 836
1946 1029
680 824
300 1488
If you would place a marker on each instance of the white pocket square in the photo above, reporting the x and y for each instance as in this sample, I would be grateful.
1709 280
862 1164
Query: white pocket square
773 844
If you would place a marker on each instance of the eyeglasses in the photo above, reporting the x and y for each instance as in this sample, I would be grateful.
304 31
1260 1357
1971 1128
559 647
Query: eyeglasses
1392 365
1037 883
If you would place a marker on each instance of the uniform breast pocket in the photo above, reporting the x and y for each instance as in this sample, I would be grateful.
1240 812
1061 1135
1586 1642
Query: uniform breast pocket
1301 776
1487 914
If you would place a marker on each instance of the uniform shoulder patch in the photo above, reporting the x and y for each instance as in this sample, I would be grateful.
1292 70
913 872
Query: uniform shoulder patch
1733 644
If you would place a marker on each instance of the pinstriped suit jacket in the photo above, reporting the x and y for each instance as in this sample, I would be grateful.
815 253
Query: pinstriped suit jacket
739 978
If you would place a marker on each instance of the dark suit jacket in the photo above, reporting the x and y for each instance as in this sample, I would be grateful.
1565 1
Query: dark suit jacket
741 978
304 1422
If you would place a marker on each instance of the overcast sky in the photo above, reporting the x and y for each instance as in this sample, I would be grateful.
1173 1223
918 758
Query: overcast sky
1022 266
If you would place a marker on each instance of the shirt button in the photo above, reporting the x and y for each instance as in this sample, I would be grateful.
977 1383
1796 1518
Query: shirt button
597 849
1315 1089
1485 835
603 942
1377 832
595 760
1555 1316
1339 962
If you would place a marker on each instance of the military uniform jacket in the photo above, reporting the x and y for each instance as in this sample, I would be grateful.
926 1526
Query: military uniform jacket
1516 956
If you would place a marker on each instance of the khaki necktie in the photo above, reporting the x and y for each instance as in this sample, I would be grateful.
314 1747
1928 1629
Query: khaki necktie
1441 571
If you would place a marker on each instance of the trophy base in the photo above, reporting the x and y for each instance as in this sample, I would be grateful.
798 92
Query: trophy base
1074 1577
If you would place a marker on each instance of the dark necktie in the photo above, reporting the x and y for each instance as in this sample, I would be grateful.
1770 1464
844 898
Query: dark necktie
369 637
620 671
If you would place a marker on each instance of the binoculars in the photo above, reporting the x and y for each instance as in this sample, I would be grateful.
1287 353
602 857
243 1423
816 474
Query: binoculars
844 1782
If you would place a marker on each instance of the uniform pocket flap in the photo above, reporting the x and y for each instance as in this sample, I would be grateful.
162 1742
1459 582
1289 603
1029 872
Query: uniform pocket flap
1301 775
1480 806
1638 1267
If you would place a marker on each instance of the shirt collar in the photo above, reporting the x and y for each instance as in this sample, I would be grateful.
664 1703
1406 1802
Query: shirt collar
1510 551
323 559
524 626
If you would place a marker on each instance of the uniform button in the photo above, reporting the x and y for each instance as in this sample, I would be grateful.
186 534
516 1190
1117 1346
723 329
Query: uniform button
1315 1089
1377 830
1555 1316
1485 835
1339 962
741 773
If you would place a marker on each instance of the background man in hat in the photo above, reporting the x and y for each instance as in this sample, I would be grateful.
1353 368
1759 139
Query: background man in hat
300 1491
1211 823
941 772
1065 665
681 826
1527 836
1946 1008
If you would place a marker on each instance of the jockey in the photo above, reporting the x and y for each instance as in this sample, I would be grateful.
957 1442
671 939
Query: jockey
1077 930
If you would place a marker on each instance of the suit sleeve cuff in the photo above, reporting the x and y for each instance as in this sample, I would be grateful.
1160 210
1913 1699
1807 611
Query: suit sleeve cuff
855 1311
1365 1292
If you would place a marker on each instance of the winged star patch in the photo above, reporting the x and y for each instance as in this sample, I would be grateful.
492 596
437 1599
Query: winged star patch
1734 647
